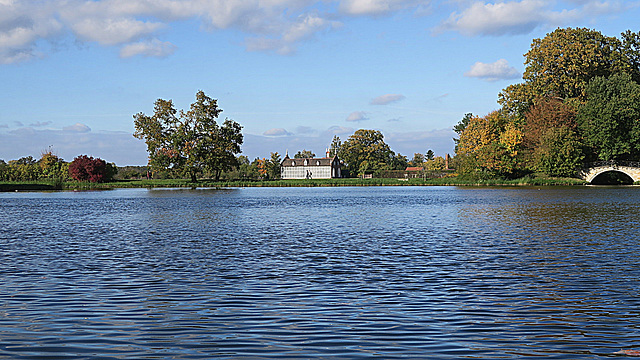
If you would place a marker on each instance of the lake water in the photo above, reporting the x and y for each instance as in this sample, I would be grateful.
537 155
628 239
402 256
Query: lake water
328 273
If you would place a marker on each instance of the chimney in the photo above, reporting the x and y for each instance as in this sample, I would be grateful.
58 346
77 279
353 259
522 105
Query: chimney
328 153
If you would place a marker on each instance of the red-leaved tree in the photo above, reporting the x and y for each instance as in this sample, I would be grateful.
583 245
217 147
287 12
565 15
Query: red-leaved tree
86 168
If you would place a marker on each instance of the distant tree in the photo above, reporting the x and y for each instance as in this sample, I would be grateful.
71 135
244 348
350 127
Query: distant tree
336 145
429 155
610 119
53 167
435 164
86 168
399 162
273 166
366 150
23 169
189 142
304 154
460 126
417 160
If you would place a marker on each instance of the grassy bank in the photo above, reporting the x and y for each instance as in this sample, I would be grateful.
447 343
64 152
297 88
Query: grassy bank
453 181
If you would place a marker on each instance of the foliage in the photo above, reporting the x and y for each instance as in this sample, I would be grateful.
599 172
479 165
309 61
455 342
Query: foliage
435 164
429 155
189 142
336 145
304 154
490 145
53 167
86 168
559 152
366 151
610 120
273 166
417 160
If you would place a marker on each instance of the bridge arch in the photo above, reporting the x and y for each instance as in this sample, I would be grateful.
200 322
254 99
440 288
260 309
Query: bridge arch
592 170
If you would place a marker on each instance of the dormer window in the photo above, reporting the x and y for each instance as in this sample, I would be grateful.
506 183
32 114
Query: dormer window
293 163
318 163
306 162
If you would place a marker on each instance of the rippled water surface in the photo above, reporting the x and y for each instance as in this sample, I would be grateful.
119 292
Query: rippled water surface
335 273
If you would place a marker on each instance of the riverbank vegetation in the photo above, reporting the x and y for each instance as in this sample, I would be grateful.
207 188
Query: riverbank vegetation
579 102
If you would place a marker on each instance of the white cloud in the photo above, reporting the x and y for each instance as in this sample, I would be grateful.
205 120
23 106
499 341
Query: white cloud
500 18
357 116
499 70
387 99
378 7
276 132
269 25
153 48
77 128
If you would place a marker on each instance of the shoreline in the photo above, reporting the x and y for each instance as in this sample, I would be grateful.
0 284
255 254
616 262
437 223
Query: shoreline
183 183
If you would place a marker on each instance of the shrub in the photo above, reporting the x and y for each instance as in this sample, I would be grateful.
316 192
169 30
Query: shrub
86 168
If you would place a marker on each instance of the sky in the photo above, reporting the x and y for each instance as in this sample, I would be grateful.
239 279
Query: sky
293 73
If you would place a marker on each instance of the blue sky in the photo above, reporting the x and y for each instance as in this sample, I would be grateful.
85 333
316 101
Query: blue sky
293 73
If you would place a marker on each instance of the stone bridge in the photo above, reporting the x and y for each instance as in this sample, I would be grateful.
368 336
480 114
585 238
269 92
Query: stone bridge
591 170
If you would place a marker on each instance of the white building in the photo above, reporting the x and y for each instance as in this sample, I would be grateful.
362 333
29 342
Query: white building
312 168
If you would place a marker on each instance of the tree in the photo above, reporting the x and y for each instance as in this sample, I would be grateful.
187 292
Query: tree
53 167
563 62
189 142
273 166
609 120
489 144
417 160
429 155
559 152
366 150
86 168
399 162
336 145
304 154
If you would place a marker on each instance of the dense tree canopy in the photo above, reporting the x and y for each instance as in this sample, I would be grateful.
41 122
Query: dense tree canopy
579 101
366 150
189 142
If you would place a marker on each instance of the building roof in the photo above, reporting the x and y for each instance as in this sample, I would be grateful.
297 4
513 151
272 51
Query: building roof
414 168
325 161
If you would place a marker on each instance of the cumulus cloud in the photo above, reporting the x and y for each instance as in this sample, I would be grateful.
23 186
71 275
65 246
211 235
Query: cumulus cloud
499 70
522 17
153 48
77 128
269 25
379 7
357 116
339 130
276 132
387 99
40 124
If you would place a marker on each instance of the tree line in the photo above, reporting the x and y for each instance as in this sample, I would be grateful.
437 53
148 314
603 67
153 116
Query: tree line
53 168
579 102
193 144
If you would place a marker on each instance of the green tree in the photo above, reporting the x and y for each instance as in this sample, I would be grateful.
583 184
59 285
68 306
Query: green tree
304 154
273 166
366 150
53 167
417 160
399 162
609 120
189 142
559 152
336 145
429 155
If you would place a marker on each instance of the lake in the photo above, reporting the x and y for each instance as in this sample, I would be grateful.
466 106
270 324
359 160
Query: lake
327 273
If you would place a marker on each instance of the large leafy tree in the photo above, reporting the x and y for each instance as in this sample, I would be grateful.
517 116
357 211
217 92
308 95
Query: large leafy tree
563 62
610 119
366 150
189 142
489 144
559 152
